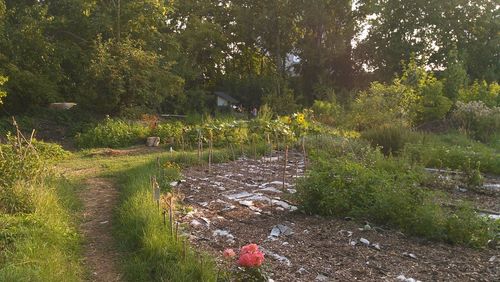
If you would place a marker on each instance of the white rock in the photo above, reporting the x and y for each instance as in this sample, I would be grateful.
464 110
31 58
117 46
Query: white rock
492 259
195 223
238 195
302 270
365 241
321 277
376 246
223 233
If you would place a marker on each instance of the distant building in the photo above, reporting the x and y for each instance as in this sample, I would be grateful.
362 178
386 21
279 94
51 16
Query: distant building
224 100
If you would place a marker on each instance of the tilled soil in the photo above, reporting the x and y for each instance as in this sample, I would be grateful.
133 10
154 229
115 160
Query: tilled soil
240 202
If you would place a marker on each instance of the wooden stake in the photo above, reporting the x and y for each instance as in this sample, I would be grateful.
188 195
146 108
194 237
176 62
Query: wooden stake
210 155
304 152
176 231
171 217
184 247
284 166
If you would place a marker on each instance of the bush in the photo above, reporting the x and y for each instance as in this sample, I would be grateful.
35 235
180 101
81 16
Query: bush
477 120
433 104
390 138
489 94
112 133
383 104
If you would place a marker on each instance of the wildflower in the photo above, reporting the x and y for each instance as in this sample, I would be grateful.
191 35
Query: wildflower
229 253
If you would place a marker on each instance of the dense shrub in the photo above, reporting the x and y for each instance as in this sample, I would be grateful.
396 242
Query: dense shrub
489 94
23 166
112 133
383 104
477 120
328 112
433 105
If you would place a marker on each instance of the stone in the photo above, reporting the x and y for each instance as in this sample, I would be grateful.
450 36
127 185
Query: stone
365 241
367 227
238 195
223 233
195 223
301 271
376 246
153 141
410 255
281 230
492 259
321 277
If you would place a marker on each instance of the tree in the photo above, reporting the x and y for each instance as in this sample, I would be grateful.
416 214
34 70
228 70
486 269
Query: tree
28 56
432 30
123 75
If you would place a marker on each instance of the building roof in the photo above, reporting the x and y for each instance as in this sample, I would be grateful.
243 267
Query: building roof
225 96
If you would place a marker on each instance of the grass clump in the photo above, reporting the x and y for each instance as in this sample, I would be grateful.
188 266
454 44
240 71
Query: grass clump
349 180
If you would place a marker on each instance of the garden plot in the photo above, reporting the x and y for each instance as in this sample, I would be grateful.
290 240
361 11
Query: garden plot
484 197
246 201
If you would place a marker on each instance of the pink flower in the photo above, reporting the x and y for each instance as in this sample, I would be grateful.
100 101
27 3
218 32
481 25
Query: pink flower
229 253
250 256
250 248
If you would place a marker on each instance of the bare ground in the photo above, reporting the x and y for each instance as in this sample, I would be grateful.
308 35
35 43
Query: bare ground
240 203
99 198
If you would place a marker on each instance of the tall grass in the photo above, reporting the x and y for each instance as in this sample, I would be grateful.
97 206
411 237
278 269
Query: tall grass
152 254
43 245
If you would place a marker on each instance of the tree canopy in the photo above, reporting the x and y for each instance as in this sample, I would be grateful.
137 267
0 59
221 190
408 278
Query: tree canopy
168 56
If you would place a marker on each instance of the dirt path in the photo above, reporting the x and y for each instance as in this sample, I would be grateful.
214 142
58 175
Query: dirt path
246 202
99 198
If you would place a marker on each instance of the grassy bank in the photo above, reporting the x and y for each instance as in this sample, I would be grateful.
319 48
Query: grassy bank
43 245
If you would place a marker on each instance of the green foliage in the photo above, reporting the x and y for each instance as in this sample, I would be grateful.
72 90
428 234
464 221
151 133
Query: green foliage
2 93
383 104
152 254
281 100
386 191
123 75
112 133
43 245
453 151
328 112
455 77
390 138
433 104
477 120
489 94
430 104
